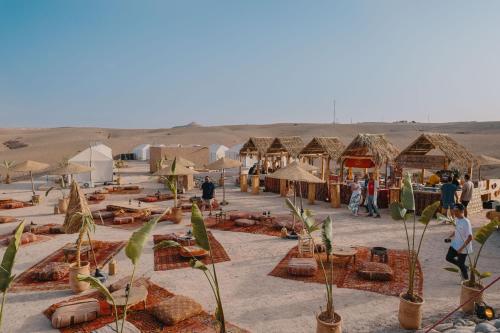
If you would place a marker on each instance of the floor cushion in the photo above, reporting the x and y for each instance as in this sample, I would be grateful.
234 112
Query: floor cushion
53 271
131 187
123 220
150 199
97 197
302 266
233 216
176 309
111 328
7 219
15 204
375 271
244 222
104 214
75 312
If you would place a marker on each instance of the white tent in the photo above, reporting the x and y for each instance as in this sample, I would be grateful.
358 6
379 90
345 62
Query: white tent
234 154
100 158
216 152
141 152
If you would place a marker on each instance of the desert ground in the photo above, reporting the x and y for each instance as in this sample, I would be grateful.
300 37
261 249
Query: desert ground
252 299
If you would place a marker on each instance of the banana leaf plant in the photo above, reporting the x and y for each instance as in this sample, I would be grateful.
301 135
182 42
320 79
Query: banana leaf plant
171 181
201 238
310 226
405 211
8 261
133 251
7 165
481 236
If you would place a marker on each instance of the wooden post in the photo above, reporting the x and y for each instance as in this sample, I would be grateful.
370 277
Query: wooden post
394 194
311 193
342 170
283 191
244 182
422 180
255 184
322 168
335 195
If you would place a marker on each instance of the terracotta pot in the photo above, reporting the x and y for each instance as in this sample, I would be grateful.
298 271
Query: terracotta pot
324 327
63 205
410 313
176 215
466 294
78 286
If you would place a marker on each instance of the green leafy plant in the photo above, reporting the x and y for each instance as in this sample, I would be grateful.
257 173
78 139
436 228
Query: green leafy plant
7 165
57 188
405 211
201 238
133 251
310 226
171 181
481 236
84 223
8 261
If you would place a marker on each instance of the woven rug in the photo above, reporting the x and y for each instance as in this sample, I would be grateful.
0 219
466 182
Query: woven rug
42 232
347 277
142 319
104 251
5 204
228 225
169 258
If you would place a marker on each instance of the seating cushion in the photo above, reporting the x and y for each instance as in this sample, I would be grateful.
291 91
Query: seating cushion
97 197
111 328
103 213
131 187
302 266
53 271
15 204
233 216
244 222
123 220
176 309
7 219
150 199
76 312
28 237
375 271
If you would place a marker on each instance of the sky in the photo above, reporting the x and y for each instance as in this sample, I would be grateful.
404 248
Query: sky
152 64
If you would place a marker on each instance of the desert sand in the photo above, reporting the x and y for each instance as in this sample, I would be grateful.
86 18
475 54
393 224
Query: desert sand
253 299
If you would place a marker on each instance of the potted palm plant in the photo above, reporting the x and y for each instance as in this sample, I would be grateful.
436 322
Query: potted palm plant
410 305
327 321
7 165
63 202
171 183
471 288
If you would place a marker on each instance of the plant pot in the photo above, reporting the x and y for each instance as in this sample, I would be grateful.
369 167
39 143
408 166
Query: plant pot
176 215
63 205
118 180
78 286
7 179
35 199
325 327
466 294
410 313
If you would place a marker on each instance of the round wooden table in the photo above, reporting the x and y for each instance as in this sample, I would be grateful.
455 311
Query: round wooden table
137 295
345 252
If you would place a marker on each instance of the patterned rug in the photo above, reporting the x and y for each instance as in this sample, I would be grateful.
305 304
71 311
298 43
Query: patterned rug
169 258
141 318
104 251
13 204
41 231
228 225
347 277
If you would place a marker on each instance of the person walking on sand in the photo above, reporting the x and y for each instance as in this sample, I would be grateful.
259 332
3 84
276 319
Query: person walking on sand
371 192
461 244
448 197
467 189
208 189
355 196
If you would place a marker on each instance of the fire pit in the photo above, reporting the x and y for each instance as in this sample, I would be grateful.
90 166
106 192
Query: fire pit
380 252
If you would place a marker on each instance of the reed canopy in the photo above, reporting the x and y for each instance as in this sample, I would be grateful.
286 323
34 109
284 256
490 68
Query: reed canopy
294 172
223 163
286 146
256 146
374 148
180 170
77 204
330 147
416 155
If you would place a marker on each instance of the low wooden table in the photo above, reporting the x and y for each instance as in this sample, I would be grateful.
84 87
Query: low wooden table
138 294
345 252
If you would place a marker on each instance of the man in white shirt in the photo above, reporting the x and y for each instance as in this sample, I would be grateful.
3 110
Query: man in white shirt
467 189
461 245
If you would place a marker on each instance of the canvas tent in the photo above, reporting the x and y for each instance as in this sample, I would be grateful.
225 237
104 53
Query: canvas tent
216 152
100 158
234 154
141 152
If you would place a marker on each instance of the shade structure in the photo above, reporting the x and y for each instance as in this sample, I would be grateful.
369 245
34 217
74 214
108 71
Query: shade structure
77 204
71 169
30 166
307 167
182 161
222 164
485 160
294 172
180 170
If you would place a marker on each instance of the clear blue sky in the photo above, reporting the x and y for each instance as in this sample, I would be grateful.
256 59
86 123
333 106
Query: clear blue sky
163 63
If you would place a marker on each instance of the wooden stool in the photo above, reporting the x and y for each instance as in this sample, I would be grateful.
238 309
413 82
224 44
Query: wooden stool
306 248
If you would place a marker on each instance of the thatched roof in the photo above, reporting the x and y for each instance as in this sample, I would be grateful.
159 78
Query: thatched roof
452 150
486 160
77 204
374 146
223 163
294 172
331 146
256 146
291 145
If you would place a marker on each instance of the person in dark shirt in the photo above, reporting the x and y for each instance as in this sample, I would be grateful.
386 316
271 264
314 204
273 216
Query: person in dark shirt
208 189
448 196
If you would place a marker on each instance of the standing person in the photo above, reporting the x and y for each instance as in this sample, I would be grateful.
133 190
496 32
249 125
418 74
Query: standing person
365 192
456 181
372 191
208 189
467 189
448 197
461 245
355 196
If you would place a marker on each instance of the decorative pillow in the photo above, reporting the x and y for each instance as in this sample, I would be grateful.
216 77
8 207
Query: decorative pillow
302 266
53 271
239 215
375 271
7 219
15 204
176 309
150 199
244 222
123 220
77 312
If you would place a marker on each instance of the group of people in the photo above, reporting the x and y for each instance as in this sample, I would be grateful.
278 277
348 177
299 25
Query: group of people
365 195
449 196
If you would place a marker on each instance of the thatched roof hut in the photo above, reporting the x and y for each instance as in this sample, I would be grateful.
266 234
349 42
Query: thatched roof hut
416 154
370 146
288 145
323 146
256 146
